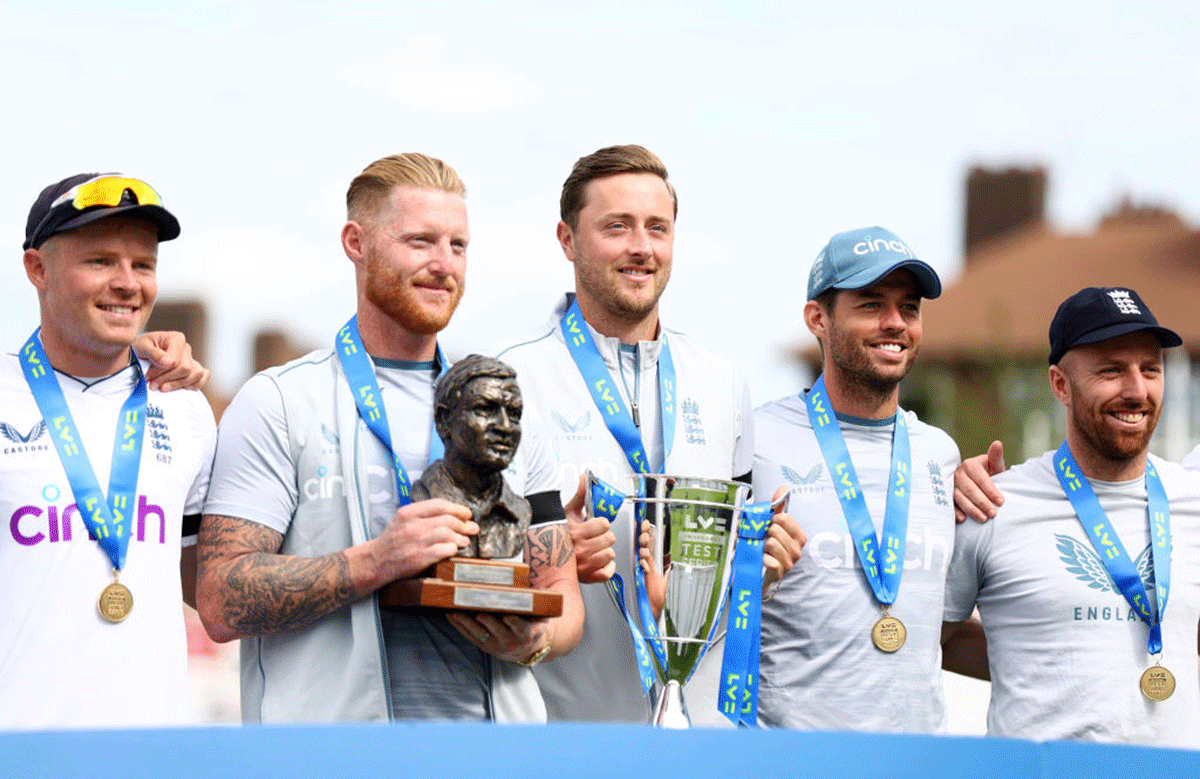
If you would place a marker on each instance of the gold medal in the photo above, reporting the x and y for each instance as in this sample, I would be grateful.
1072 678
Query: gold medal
116 601
1157 683
889 633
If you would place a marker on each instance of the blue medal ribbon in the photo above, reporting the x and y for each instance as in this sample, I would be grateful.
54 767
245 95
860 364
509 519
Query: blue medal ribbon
108 520
738 693
606 397
368 399
1112 552
882 559
619 421
606 502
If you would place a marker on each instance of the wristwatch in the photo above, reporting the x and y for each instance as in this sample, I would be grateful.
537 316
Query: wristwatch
539 655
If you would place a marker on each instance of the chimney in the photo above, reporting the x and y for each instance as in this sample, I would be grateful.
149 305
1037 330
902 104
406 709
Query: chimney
1001 200
274 347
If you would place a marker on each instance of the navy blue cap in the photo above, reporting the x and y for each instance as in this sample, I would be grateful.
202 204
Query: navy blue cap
1095 314
49 217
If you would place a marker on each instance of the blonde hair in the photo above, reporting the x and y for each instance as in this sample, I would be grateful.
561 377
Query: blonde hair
372 187
609 161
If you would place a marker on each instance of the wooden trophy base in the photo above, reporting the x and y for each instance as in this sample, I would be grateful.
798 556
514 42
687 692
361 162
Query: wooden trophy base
473 584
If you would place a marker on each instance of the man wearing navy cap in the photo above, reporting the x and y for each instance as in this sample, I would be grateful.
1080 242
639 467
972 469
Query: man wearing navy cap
99 475
1072 577
851 641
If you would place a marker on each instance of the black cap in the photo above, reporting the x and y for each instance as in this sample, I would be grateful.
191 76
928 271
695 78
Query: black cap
47 218
1096 314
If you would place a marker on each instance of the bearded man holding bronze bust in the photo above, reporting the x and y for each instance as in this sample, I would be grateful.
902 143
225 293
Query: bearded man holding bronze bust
311 513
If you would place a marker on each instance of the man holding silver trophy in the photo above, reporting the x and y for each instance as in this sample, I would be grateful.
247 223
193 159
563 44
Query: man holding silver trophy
852 640
623 397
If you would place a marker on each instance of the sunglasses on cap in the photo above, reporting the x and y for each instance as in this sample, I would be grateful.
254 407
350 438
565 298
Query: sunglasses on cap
106 191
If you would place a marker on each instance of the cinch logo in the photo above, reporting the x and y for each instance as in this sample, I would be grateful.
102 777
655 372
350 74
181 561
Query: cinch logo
569 472
323 486
32 525
381 485
924 551
883 245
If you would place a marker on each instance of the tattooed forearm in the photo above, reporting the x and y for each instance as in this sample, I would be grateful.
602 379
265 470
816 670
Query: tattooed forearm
270 593
548 547
551 558
247 586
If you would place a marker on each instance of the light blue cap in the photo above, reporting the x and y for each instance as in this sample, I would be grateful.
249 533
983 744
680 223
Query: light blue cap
859 258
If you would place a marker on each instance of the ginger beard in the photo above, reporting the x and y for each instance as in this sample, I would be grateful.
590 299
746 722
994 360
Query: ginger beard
412 257
1090 418
420 303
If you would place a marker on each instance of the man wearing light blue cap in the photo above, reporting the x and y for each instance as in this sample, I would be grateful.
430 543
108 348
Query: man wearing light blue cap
851 641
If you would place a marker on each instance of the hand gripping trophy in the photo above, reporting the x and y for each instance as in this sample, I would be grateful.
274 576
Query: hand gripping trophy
701 548
477 414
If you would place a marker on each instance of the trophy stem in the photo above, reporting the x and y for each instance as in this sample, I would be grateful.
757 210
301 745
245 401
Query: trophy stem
671 711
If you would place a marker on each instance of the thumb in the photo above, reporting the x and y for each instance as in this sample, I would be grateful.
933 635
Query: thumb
147 349
574 507
995 458
779 501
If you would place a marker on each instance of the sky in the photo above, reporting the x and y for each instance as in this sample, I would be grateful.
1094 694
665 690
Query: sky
781 123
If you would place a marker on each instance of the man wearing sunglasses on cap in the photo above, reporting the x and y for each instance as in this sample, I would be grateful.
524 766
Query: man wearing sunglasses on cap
310 513
102 477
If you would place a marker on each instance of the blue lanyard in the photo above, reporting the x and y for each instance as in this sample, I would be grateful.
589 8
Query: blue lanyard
108 520
606 397
1112 552
619 422
884 569
368 399
738 689
606 502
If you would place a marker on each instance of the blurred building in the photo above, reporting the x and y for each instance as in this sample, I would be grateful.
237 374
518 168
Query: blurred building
272 345
982 374
212 667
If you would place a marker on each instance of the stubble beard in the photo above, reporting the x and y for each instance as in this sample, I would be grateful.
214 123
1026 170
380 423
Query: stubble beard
859 375
609 297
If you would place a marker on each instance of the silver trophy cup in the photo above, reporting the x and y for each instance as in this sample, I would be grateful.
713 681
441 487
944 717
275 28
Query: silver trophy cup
692 532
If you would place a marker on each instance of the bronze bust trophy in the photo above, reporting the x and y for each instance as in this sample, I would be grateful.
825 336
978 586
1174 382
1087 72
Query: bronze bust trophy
477 414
